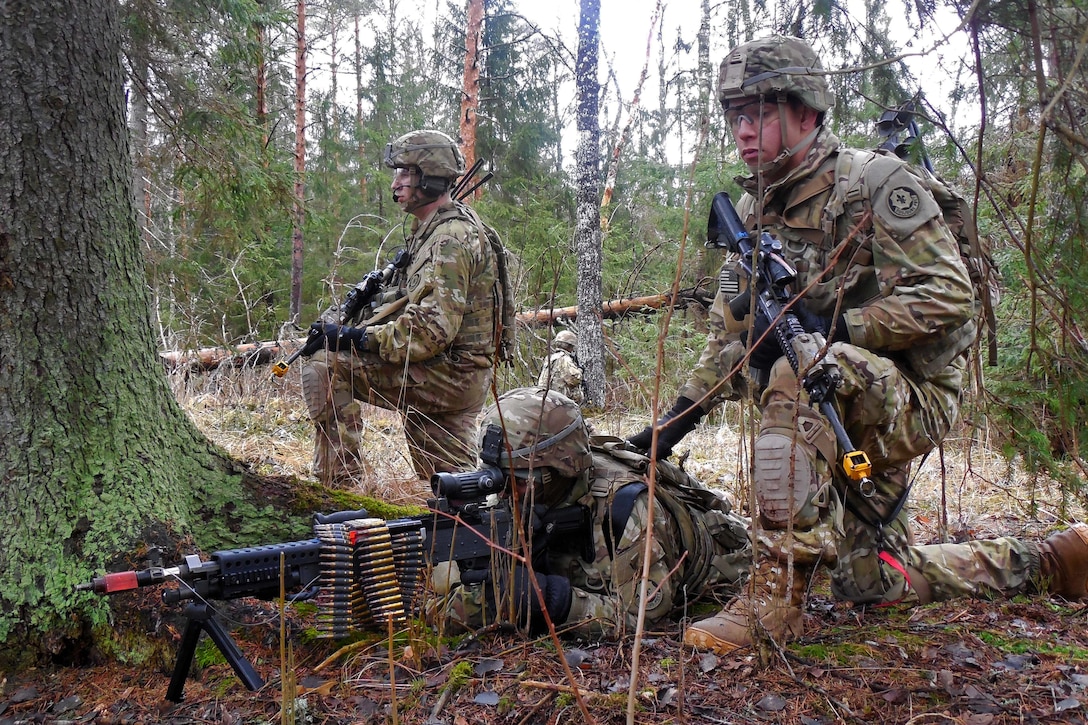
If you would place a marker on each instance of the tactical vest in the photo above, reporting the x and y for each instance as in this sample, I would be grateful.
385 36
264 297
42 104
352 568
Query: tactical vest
838 221
501 304
704 521
502 293
852 196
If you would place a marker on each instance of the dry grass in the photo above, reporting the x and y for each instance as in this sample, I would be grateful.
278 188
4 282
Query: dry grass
968 490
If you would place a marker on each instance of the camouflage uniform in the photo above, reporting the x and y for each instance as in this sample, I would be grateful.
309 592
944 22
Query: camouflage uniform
562 373
432 361
605 569
877 265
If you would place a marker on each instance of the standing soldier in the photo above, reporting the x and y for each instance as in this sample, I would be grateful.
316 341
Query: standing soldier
427 348
887 303
561 371
590 500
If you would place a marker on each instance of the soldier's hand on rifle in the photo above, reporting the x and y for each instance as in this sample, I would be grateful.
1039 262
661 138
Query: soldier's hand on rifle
338 337
833 330
681 420
766 352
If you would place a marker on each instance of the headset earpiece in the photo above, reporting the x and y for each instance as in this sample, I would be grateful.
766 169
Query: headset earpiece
433 186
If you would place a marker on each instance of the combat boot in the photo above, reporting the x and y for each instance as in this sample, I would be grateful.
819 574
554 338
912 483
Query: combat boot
1063 563
776 600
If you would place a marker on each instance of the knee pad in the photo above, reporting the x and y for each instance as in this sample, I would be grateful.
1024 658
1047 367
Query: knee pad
785 479
316 389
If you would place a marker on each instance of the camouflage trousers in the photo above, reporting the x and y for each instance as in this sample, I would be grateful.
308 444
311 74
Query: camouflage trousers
823 517
438 402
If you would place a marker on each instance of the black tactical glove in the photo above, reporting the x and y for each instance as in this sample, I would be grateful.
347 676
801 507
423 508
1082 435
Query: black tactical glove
764 355
682 419
823 325
337 337
557 592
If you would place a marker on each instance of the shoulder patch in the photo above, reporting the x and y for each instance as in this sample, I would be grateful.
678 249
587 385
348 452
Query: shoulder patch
903 202
900 202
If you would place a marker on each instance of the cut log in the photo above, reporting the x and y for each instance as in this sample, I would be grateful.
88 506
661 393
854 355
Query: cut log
209 358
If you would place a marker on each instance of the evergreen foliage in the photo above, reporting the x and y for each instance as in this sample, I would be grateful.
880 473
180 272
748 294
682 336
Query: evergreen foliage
219 227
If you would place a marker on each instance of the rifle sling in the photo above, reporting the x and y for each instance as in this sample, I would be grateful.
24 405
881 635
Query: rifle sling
393 308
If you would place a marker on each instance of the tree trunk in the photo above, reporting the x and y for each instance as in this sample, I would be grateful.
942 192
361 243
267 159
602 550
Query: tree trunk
95 449
587 232
470 92
300 165
261 82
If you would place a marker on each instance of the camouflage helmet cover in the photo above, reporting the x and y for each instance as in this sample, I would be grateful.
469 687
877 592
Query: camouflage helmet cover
544 429
433 152
779 65
566 340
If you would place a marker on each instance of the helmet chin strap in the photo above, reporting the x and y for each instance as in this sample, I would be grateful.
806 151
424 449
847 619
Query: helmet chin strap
418 203
779 161
426 197
776 164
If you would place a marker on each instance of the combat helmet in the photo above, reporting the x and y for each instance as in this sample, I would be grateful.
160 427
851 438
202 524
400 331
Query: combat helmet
776 66
566 340
545 434
435 155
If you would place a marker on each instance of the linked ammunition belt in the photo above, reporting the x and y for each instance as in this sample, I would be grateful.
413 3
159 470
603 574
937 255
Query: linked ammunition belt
370 573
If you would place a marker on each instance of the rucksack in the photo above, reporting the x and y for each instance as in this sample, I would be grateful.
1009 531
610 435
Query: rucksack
506 336
958 215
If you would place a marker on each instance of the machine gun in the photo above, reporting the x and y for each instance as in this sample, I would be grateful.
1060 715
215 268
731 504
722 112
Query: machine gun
770 275
359 571
360 296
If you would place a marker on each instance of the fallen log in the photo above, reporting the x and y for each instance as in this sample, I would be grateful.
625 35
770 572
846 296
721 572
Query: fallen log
612 309
209 358
263 353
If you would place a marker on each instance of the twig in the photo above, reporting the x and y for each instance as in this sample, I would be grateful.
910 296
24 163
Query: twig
576 691
535 709
345 650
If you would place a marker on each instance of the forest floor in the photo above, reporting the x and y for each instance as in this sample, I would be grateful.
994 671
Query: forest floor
966 662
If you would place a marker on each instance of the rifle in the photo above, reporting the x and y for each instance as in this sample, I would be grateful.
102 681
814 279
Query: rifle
360 296
357 570
770 275
894 122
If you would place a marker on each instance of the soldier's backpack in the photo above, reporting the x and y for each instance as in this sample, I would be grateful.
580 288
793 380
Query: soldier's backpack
902 140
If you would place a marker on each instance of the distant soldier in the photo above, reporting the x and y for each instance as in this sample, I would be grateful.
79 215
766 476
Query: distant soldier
427 349
590 565
561 371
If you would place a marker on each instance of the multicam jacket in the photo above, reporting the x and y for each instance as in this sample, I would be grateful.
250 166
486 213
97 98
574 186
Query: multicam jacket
606 570
562 374
451 288
882 255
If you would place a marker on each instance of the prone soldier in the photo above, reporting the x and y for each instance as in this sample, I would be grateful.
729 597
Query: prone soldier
590 570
